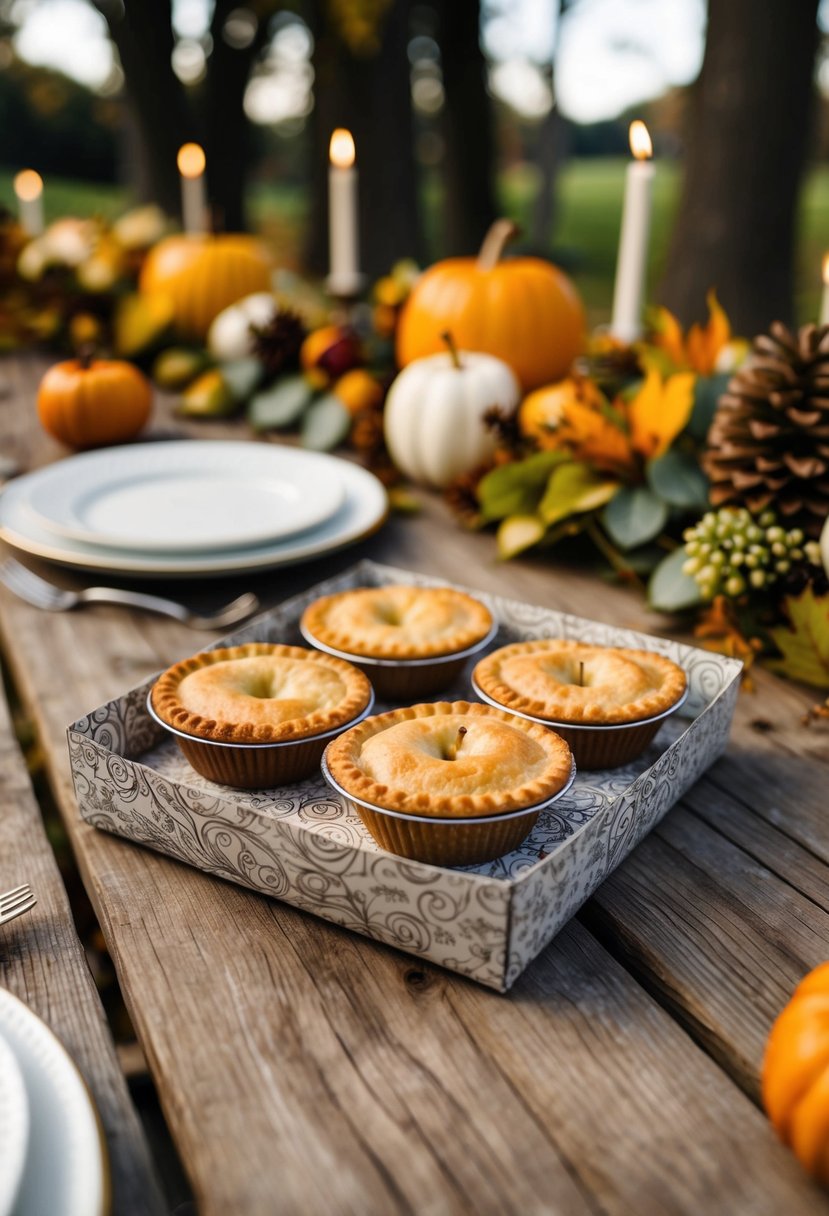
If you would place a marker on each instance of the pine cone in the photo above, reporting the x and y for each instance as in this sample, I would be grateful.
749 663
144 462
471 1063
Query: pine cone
768 445
277 343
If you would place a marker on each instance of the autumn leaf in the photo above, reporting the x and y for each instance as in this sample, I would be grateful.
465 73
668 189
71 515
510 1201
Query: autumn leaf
517 533
804 643
719 630
667 336
659 411
704 343
572 489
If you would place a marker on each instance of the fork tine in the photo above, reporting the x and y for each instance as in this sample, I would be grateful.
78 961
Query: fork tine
29 586
8 904
7 916
25 577
14 891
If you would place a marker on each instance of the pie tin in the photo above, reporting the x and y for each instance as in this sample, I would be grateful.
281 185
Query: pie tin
255 766
594 747
407 679
446 842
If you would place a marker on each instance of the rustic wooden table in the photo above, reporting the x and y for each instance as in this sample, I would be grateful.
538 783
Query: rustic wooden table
305 1070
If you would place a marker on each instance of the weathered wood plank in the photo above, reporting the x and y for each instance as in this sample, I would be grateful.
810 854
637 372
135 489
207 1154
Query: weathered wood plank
43 963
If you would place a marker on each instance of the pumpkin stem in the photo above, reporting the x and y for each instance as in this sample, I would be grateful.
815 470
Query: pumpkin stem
495 241
446 337
581 673
86 354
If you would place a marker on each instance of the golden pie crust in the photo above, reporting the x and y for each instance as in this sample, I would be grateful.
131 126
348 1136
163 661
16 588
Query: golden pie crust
543 678
397 622
449 759
260 693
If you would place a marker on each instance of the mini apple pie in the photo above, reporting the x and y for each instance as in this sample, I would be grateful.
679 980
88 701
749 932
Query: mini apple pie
448 782
608 702
410 641
259 714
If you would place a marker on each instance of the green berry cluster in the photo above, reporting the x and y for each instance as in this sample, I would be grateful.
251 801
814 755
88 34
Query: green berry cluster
731 552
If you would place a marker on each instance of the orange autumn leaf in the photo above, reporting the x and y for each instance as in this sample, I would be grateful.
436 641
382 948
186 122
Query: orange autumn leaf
659 411
705 342
718 630
668 336
591 436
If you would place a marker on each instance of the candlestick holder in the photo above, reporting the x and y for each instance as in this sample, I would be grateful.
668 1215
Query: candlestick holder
345 297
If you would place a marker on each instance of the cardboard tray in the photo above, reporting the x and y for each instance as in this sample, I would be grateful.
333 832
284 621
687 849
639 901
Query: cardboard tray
300 844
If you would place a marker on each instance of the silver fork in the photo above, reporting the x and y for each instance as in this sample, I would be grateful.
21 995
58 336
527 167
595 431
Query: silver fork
42 594
16 902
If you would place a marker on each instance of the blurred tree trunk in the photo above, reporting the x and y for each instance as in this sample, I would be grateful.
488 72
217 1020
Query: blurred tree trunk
470 203
227 133
367 91
746 145
143 34
552 152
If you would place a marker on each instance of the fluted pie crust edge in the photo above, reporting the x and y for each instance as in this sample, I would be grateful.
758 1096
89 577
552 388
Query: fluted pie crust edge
343 756
167 704
474 623
668 683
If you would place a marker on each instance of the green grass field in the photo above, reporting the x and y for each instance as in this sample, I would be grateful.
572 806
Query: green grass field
585 235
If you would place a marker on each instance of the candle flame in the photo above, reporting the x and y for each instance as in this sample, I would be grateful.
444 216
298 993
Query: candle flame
28 185
826 268
341 148
640 141
190 160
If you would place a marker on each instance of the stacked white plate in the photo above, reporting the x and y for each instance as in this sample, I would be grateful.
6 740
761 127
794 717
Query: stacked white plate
191 508
52 1156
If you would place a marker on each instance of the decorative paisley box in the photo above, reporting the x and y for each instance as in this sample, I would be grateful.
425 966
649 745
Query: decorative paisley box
300 844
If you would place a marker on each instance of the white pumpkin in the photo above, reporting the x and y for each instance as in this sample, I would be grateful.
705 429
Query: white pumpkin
824 546
433 418
229 335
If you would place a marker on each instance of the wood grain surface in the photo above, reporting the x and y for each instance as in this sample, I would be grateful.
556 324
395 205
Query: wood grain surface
306 1070
43 963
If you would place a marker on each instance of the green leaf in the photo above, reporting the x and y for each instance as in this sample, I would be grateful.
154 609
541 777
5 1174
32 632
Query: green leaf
804 643
326 424
242 376
516 488
634 516
573 488
707 392
281 405
517 533
669 590
677 478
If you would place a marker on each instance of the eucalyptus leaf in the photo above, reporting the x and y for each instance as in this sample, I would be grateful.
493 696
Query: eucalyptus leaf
573 488
634 516
242 377
517 533
280 406
669 590
707 392
677 478
326 424
516 488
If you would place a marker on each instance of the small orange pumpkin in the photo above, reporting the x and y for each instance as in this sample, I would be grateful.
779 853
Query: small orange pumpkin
91 403
203 275
524 311
543 411
796 1073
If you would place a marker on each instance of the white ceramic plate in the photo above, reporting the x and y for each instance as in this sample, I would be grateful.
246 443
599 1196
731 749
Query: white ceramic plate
65 1173
184 497
14 1127
364 509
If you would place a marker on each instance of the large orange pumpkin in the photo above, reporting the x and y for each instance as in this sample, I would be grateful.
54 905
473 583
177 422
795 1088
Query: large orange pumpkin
91 403
524 311
796 1073
203 275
